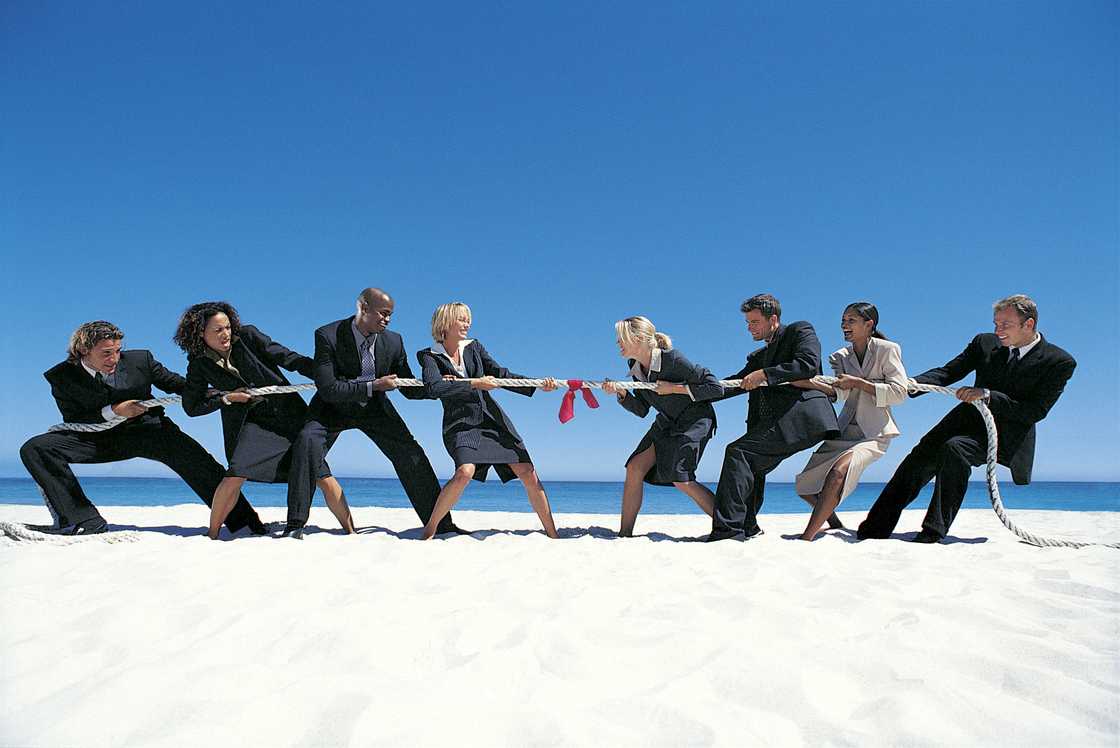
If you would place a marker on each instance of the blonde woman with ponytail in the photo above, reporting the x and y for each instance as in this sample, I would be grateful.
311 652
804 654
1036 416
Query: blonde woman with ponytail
670 451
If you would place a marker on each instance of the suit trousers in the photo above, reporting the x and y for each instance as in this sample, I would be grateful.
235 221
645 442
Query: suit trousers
48 458
946 458
742 481
391 436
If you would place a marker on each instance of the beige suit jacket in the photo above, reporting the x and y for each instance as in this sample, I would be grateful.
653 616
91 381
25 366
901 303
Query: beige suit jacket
882 366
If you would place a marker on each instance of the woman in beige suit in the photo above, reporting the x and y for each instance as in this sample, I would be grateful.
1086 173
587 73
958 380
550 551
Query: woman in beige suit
871 378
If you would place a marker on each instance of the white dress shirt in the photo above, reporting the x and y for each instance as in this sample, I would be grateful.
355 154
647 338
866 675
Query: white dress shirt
106 412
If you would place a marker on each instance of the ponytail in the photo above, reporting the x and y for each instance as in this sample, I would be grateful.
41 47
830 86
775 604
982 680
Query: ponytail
642 330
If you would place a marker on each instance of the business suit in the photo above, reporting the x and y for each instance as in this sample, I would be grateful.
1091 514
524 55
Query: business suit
476 430
258 435
81 399
781 421
866 423
343 402
684 423
1021 395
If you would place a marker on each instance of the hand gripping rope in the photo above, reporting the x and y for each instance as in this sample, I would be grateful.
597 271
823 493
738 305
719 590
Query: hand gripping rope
567 412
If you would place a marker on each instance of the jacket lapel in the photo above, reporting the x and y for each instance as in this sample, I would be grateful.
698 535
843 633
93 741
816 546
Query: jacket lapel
381 355
771 349
347 350
122 376
472 362
868 364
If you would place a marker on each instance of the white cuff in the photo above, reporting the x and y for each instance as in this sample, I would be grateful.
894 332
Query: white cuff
107 413
369 389
688 390
226 400
882 392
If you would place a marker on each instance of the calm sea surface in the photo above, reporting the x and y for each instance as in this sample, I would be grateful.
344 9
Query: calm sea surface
566 496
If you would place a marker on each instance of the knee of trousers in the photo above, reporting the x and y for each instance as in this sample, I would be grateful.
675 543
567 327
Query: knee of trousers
955 449
33 448
733 452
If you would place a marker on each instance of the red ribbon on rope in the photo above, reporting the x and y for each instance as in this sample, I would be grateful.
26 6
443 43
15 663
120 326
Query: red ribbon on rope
568 405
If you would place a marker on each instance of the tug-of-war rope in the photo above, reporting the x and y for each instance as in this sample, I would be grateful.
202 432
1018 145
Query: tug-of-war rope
567 412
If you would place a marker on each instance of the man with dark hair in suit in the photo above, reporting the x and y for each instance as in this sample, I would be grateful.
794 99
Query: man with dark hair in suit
1020 375
98 383
357 361
781 421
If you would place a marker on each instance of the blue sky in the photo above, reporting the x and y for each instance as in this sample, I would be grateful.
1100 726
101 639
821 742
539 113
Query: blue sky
558 168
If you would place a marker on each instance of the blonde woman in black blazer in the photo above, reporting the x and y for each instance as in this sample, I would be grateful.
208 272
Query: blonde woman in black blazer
476 431
671 450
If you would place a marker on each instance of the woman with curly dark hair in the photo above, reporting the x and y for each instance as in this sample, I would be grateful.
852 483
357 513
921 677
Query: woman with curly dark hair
224 354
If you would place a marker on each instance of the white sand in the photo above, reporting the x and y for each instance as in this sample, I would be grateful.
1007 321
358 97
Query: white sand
512 639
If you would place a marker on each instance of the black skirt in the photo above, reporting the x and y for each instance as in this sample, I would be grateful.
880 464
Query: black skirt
490 445
678 450
264 456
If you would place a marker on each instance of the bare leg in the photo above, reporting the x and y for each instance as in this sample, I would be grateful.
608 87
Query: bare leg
537 498
336 502
632 490
451 492
225 496
829 497
699 493
834 522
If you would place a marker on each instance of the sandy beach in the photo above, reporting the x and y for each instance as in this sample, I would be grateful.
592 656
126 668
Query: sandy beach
507 638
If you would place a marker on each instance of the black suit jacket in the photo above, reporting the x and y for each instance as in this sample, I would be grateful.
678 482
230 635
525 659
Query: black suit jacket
793 353
1019 398
679 411
464 408
258 359
340 399
80 398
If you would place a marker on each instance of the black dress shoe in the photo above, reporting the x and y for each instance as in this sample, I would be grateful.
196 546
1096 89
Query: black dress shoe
293 531
256 526
91 526
926 537
867 534
753 533
722 534
451 527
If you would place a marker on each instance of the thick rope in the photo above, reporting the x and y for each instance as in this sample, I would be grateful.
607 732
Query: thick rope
13 531
912 386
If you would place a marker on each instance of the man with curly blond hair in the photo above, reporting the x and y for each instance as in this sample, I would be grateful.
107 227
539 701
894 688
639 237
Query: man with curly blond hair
99 382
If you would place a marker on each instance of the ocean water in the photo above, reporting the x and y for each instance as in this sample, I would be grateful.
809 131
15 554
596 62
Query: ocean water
567 496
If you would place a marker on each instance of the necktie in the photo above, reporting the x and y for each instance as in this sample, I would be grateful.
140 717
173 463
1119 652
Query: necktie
368 365
1012 359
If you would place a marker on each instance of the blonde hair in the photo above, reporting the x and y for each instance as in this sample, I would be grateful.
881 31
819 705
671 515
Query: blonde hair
641 330
90 334
445 316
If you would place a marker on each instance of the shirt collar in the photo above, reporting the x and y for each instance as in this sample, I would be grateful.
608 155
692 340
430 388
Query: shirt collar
213 355
92 372
654 364
359 336
1024 350
439 350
